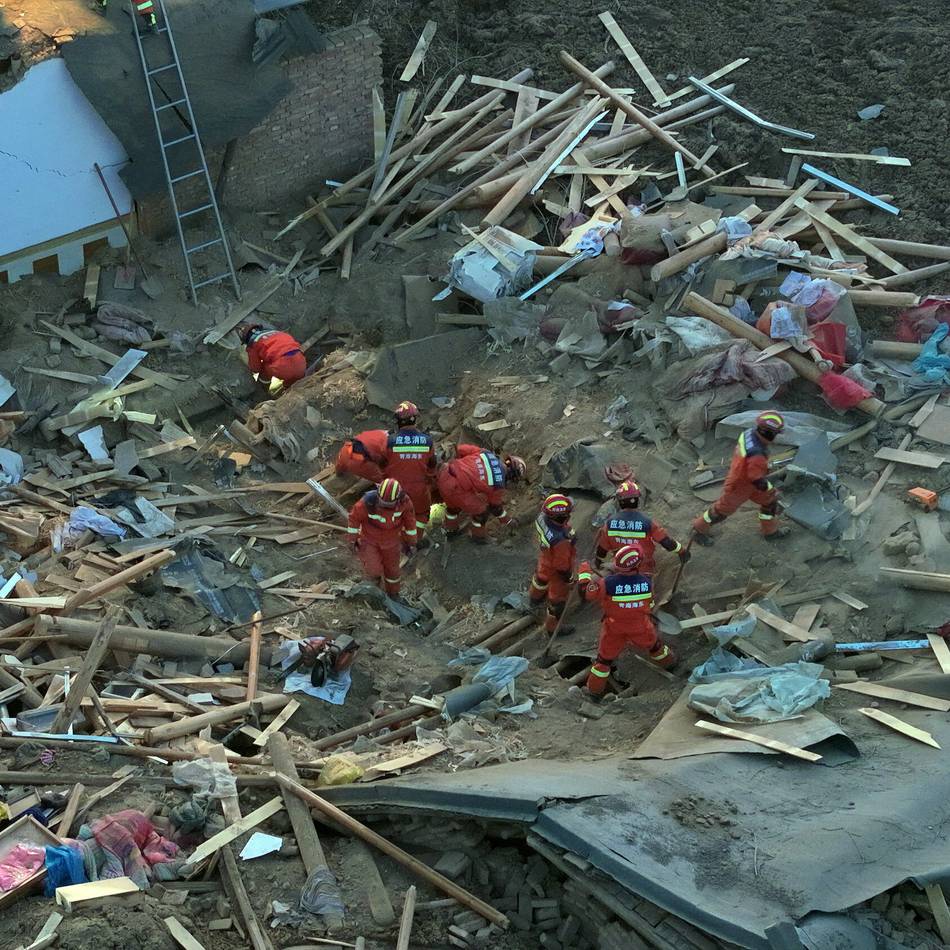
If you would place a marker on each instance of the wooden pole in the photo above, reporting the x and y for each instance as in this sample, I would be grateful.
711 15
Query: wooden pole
423 871
254 656
890 349
506 633
529 178
884 298
374 725
405 924
801 364
912 276
94 656
631 110
117 580
919 580
714 244
193 724
30 697
554 106
937 252
168 643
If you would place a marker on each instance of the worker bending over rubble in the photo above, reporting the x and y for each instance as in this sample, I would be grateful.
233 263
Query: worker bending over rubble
382 525
475 483
410 458
146 10
554 573
626 598
629 525
273 356
364 455
748 481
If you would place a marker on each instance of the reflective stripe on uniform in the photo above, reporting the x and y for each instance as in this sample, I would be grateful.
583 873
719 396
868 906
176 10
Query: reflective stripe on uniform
392 580
677 549
410 532
629 598
765 517
597 671
404 449
584 576
144 5
376 517
538 586
421 525
488 473
662 654
707 517
626 534
352 530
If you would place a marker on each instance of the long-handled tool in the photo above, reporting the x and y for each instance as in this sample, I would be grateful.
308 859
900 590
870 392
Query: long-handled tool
319 490
679 571
151 285
572 599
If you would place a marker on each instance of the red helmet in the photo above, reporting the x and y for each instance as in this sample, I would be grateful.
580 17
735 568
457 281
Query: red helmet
770 421
515 467
389 491
627 559
628 491
557 506
406 412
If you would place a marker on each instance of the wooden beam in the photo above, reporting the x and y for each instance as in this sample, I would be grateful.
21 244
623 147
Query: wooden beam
634 58
254 656
70 895
186 727
850 235
423 871
898 725
919 459
583 73
405 923
941 651
279 721
938 904
65 821
777 623
180 935
772 744
897 695
850 156
90 665
418 54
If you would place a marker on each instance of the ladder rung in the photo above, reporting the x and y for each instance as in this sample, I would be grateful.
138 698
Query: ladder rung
161 69
171 105
188 214
211 280
184 138
201 247
161 29
200 171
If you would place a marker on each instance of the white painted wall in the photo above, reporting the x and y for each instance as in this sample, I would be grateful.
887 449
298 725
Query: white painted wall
49 138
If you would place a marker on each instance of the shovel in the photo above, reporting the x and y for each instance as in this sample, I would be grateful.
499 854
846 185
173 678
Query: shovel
150 285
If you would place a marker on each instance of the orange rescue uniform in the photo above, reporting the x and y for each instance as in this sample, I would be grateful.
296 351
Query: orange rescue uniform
364 455
632 526
473 482
410 459
379 534
555 569
274 354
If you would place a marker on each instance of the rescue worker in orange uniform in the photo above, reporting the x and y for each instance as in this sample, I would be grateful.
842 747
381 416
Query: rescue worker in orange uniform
364 455
146 10
626 598
748 481
410 458
629 525
382 525
475 482
272 354
554 573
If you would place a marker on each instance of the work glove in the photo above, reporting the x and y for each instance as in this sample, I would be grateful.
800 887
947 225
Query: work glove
684 555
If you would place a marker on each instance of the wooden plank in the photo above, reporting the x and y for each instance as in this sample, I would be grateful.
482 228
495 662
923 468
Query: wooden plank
403 761
690 90
919 459
941 651
165 447
90 290
418 54
254 657
850 156
45 603
379 126
920 580
897 695
105 356
526 105
777 623
938 904
180 935
828 239
634 58
846 598
447 97
279 721
405 923
898 725
70 895
234 831
517 87
778 213
65 821
82 378
806 615
90 665
773 744
225 326
849 235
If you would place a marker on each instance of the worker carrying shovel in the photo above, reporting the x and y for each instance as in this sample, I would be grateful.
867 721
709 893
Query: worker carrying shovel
748 481
274 357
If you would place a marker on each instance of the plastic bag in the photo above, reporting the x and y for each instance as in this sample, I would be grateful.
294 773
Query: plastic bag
64 865
321 894
735 228
841 392
830 339
340 770
919 322
499 671
19 864
818 297
213 779
932 364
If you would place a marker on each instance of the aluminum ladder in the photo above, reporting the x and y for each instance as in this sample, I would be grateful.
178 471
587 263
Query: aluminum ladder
183 156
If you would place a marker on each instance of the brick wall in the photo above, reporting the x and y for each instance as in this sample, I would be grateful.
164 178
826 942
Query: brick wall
322 129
